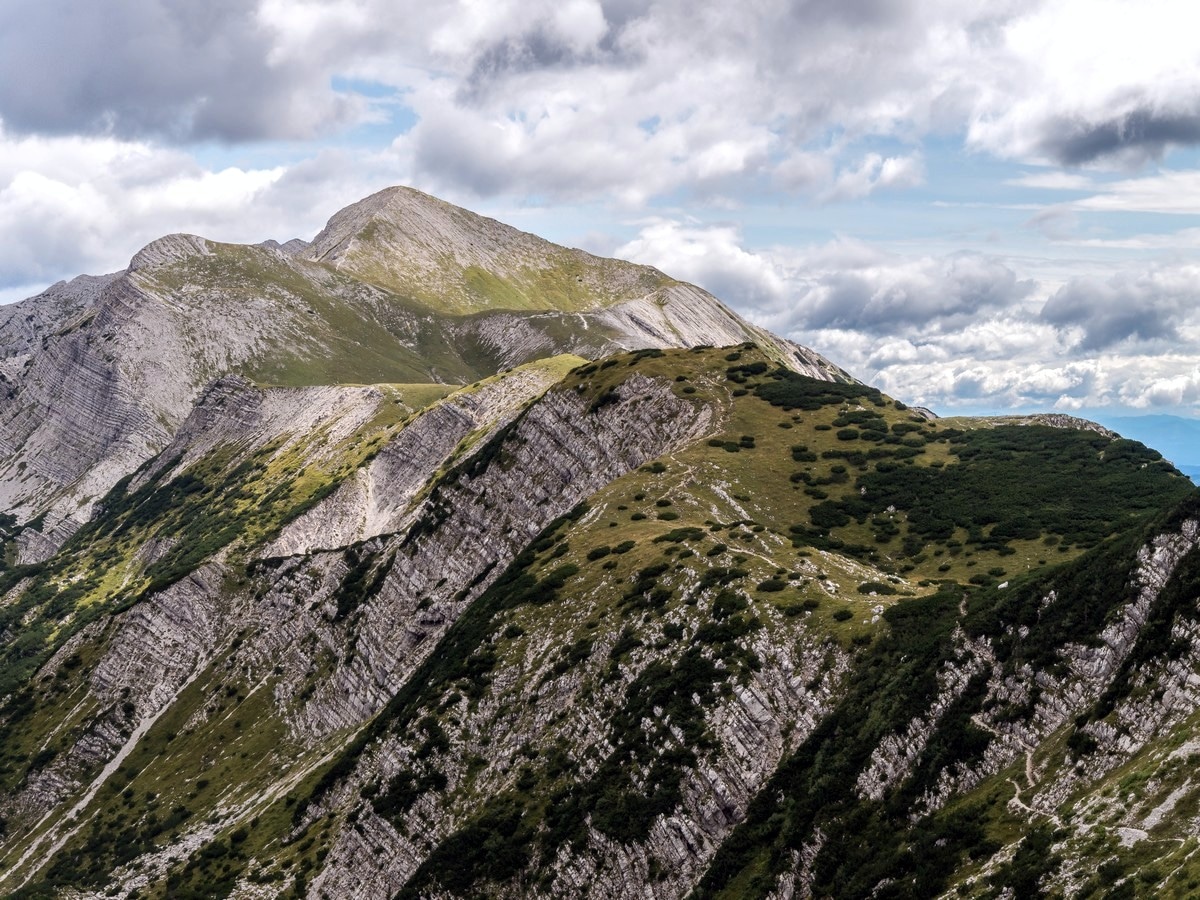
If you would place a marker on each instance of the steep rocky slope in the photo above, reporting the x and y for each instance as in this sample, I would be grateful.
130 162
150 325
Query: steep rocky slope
589 651
666 621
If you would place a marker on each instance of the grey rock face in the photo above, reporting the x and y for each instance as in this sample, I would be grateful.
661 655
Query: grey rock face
152 374
897 755
376 499
23 325
97 375
448 551
1090 670
466 535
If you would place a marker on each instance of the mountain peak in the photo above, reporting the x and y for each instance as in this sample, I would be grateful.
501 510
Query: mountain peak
403 218
320 587
458 261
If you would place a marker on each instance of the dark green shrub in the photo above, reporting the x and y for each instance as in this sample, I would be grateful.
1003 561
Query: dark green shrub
877 587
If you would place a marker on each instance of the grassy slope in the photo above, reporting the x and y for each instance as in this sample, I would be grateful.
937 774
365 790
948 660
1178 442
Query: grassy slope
676 520
743 500
704 507
684 514
532 275
334 329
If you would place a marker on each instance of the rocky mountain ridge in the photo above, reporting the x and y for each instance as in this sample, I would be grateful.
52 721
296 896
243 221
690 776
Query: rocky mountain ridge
614 611
123 358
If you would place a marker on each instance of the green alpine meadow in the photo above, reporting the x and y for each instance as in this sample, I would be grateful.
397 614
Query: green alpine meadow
429 559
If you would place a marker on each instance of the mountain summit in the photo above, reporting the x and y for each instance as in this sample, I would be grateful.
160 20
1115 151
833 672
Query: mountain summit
458 262
429 559
398 288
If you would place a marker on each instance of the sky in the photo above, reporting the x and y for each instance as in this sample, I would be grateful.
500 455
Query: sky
977 206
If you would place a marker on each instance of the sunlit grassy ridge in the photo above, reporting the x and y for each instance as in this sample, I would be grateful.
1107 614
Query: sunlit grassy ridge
709 560
695 556
812 514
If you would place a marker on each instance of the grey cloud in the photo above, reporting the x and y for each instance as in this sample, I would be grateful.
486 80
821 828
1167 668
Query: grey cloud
794 71
620 12
669 51
852 13
537 46
810 71
1139 135
537 50
1146 307
172 68
931 294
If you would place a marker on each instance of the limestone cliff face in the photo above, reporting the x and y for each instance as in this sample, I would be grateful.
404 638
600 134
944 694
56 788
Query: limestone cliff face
23 325
237 415
107 394
473 527
74 417
1060 696
753 728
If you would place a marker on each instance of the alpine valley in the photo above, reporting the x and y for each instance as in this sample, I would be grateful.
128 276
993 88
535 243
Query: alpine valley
431 559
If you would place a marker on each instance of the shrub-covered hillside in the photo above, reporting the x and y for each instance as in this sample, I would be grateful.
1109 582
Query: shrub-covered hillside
673 621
